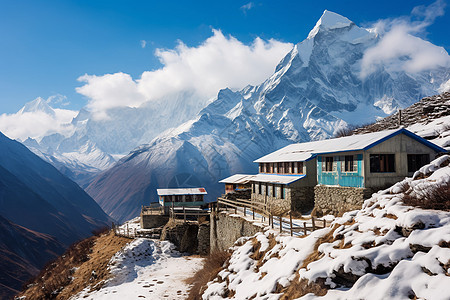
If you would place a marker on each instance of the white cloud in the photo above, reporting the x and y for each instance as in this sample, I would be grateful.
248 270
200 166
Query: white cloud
143 43
58 100
219 62
246 7
400 49
445 87
37 124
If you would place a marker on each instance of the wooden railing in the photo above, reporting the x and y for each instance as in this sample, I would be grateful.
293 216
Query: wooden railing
132 233
152 210
264 211
186 212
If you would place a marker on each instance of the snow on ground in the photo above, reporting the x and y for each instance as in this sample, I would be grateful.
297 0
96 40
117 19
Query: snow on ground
386 250
146 269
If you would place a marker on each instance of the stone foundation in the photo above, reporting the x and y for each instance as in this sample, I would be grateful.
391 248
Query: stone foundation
302 199
298 199
337 200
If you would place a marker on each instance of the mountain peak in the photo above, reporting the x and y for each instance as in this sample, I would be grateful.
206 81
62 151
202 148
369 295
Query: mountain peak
329 20
36 105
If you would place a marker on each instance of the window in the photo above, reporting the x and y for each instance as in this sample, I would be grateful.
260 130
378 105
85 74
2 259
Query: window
271 167
328 164
382 163
267 189
292 168
300 167
275 191
282 191
349 164
259 188
416 161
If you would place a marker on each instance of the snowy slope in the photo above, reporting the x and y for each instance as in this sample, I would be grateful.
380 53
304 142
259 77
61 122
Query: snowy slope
386 250
315 90
146 268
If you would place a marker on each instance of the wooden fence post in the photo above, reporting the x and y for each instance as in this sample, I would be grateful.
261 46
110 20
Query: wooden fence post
304 228
272 220
245 211
324 223
128 230
281 224
313 224
253 212
290 222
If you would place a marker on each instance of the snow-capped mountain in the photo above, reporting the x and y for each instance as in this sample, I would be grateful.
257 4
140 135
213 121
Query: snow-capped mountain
90 144
315 90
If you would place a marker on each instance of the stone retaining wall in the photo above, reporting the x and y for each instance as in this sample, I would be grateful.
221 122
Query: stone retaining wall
203 237
337 200
226 229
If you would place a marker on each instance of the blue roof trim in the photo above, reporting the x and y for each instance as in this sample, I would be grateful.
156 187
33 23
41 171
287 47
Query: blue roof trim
411 135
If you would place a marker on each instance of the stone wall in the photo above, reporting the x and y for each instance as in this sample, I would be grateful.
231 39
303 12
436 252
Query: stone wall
203 237
226 229
297 198
302 199
337 200
153 221
182 235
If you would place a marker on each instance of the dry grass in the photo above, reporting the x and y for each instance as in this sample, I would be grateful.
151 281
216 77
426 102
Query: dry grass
430 198
212 265
316 255
73 271
390 216
299 288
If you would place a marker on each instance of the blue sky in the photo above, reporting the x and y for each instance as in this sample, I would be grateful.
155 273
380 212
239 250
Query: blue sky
46 45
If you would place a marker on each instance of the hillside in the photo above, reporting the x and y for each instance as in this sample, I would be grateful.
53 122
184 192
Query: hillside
23 253
315 90
42 212
395 247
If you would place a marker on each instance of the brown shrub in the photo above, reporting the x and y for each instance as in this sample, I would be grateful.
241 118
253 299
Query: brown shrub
212 265
430 197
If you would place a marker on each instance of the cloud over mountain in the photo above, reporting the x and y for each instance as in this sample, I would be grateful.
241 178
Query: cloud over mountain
401 49
220 61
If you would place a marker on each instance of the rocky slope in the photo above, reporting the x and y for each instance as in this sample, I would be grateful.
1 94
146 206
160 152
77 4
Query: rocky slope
315 90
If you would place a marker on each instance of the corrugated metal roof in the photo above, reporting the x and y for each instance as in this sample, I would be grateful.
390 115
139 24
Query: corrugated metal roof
238 179
181 191
278 179
306 151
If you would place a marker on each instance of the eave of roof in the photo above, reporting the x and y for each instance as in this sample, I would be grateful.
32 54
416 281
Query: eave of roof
276 178
181 191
